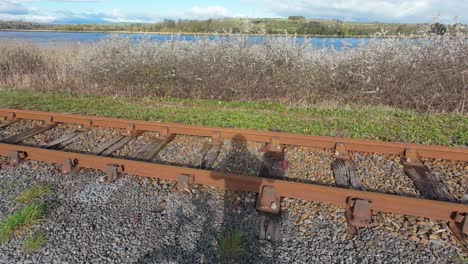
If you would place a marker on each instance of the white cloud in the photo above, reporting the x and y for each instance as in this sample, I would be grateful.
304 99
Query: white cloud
29 18
13 7
18 10
116 15
206 12
79 1
349 10
371 10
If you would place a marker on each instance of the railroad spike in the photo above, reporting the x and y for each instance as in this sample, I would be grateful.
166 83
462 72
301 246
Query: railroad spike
358 213
184 184
69 166
274 145
16 157
114 172
48 120
216 139
163 131
11 116
411 158
130 129
268 201
87 124
341 152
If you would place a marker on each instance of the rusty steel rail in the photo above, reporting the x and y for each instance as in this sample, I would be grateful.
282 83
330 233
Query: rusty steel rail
338 196
361 202
370 146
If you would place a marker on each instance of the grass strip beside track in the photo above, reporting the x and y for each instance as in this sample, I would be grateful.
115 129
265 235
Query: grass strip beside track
378 123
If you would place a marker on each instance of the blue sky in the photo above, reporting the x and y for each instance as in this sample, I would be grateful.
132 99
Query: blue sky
101 11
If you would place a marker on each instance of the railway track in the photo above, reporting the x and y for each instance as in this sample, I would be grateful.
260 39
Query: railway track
121 146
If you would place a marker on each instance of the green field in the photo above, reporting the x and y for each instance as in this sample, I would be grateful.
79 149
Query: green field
298 25
355 122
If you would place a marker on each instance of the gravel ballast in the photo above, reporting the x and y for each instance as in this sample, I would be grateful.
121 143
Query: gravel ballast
141 221
137 220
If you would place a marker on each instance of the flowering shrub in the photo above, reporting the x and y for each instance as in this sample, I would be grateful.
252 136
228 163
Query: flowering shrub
424 72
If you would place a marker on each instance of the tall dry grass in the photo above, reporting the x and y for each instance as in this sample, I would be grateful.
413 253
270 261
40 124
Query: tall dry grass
428 73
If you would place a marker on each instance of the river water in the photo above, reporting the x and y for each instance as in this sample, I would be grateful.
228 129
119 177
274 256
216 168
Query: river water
48 38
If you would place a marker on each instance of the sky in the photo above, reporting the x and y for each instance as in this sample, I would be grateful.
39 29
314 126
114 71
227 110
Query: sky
105 11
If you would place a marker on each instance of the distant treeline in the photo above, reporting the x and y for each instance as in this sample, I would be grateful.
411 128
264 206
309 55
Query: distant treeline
292 25
21 25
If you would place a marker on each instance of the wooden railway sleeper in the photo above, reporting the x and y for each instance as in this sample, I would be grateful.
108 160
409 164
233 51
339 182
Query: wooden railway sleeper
358 213
459 226
423 179
344 169
269 205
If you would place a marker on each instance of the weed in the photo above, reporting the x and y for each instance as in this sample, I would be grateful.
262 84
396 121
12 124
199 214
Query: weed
34 242
21 220
460 259
33 193
231 245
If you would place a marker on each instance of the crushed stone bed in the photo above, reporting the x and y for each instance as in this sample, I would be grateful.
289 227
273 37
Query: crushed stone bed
454 174
384 173
181 151
17 127
138 220
52 134
93 138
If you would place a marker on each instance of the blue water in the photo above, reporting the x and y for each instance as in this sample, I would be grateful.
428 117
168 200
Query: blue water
60 37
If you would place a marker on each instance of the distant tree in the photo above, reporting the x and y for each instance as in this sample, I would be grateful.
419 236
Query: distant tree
296 18
438 28
343 32
170 23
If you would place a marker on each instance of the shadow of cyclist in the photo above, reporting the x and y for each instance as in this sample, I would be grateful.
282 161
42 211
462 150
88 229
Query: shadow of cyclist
238 216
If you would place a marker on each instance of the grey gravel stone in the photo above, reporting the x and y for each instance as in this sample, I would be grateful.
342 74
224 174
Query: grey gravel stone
132 221
136 220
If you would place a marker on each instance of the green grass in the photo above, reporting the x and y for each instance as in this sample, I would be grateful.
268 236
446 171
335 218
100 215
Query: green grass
21 220
33 193
34 242
231 245
460 259
377 123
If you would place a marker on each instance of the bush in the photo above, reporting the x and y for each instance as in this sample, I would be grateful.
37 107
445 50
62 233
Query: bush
427 73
